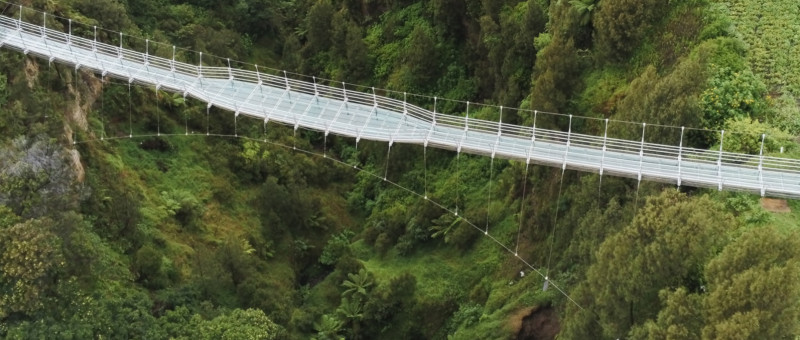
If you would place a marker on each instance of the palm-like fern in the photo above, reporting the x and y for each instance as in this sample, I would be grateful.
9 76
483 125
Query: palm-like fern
328 328
357 284
584 8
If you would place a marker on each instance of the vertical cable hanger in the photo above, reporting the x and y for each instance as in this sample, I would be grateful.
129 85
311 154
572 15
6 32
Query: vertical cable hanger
386 165
553 233
489 195
425 166
130 112
102 108
158 112
458 160
522 207
558 205
185 115
208 116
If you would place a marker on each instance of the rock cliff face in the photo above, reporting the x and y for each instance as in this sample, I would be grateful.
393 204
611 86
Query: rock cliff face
86 88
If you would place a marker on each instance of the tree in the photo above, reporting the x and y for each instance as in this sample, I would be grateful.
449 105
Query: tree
236 257
7 217
236 324
148 267
357 63
109 14
419 61
30 265
668 100
260 18
318 25
3 89
555 75
669 240
337 247
732 94
620 25
290 54
744 135
753 288
681 317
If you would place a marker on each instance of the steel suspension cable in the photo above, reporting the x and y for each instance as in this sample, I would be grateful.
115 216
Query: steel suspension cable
555 225
378 177
489 194
522 207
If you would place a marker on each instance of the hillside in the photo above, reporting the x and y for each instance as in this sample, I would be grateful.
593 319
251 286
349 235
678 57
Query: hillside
197 228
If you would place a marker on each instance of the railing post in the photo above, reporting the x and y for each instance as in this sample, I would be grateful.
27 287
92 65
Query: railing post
69 23
374 103
146 52
466 123
719 160
19 23
466 128
641 153
172 67
316 92
230 71
120 45
499 132
44 33
19 32
434 111
566 150
605 141
760 165
405 107
286 80
500 122
94 44
260 83
680 157
533 137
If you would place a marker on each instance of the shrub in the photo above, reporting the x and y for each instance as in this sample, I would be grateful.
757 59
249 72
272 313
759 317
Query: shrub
148 266
731 94
338 245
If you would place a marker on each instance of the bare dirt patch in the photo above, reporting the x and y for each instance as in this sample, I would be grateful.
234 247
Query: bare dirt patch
775 205
539 323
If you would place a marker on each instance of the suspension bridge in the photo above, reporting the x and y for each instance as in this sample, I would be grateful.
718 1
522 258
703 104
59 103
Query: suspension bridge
366 115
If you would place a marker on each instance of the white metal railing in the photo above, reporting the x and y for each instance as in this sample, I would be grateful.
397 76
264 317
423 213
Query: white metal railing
366 115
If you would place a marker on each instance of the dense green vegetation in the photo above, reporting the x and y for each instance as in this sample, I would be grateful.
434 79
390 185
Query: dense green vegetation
209 237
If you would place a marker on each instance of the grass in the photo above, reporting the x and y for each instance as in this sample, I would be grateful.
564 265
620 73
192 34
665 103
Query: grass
790 220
